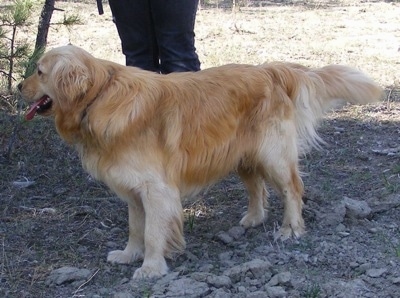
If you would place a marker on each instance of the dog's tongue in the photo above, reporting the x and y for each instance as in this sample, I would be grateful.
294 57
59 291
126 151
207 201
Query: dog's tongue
33 108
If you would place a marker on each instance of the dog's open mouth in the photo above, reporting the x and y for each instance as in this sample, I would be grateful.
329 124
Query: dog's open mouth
39 106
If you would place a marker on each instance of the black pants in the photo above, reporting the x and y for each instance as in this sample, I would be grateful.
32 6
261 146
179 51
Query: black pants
157 35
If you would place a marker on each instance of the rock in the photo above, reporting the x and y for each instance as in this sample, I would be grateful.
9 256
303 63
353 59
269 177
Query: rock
236 232
200 276
282 279
116 230
396 280
186 287
275 292
341 289
234 273
82 249
340 228
219 281
67 275
206 267
104 292
356 209
332 217
364 267
191 257
353 265
264 249
224 237
111 244
166 279
257 267
123 295
225 256
257 294
125 280
220 293
376 272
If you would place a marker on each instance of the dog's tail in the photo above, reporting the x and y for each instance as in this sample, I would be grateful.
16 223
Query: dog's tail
321 89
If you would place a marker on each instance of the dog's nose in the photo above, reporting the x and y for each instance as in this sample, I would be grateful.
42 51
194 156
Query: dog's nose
19 86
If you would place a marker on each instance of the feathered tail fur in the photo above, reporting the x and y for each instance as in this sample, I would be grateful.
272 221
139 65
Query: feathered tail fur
321 89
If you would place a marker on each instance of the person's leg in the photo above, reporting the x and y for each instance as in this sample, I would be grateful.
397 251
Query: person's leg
136 31
174 22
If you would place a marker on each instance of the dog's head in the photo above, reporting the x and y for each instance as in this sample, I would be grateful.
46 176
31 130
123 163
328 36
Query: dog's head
61 80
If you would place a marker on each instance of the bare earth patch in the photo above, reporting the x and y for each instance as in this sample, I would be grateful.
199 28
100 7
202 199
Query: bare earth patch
53 215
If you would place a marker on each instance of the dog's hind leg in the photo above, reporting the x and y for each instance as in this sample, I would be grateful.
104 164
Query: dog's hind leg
163 234
279 158
284 175
134 250
258 196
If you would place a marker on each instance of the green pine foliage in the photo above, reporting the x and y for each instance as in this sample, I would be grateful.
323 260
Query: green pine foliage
13 53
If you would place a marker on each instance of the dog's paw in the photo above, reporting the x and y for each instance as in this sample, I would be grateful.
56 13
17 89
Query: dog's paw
287 232
122 257
151 271
252 219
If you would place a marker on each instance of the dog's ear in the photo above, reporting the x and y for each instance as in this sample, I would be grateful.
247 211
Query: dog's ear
71 78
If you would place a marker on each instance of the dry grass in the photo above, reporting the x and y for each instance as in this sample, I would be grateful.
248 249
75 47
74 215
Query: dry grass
358 33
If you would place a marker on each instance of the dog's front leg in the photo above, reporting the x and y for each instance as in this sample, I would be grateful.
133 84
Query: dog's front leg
163 234
134 250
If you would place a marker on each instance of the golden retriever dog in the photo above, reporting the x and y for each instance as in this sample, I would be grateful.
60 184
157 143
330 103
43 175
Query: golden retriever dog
155 139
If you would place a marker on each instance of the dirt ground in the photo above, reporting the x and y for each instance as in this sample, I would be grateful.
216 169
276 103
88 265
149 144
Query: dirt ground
52 214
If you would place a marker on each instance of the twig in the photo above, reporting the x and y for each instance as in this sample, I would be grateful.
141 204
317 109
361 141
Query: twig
17 124
40 211
6 100
384 207
23 184
5 266
388 99
82 285
38 198
2 71
92 199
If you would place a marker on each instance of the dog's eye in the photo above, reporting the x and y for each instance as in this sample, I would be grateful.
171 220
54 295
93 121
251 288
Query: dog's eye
39 72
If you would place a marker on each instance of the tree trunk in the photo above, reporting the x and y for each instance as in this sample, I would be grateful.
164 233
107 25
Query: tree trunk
44 24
